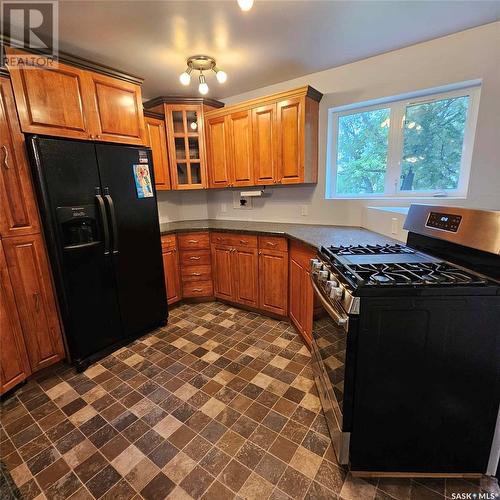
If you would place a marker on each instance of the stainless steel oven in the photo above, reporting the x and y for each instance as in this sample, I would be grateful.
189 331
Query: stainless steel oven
333 335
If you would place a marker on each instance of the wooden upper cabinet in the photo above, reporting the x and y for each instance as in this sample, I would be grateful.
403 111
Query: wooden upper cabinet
32 286
52 101
18 213
264 144
157 141
218 154
66 101
239 127
290 140
271 140
14 362
118 115
186 146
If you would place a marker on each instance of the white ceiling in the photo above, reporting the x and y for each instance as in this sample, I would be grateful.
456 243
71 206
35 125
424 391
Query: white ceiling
275 41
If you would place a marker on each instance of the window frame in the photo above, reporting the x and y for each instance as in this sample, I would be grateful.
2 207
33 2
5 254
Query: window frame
397 107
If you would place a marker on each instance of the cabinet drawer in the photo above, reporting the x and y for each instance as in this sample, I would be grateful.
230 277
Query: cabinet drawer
273 243
195 258
234 239
193 240
168 241
198 289
196 273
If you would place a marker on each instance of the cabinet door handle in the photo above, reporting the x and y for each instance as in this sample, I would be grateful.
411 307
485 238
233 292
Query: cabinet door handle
192 241
270 243
36 297
243 242
194 258
197 290
5 157
195 274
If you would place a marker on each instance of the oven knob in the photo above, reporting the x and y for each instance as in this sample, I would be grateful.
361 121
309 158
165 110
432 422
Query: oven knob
330 284
316 264
323 275
336 292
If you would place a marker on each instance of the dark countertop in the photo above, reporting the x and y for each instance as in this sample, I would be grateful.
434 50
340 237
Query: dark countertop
311 234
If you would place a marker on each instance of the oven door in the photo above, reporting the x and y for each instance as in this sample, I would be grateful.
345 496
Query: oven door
329 347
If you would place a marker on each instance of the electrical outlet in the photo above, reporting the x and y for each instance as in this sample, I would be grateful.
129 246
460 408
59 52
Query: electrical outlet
394 225
241 202
304 210
223 208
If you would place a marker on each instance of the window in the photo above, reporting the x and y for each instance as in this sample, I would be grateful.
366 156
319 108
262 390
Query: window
407 147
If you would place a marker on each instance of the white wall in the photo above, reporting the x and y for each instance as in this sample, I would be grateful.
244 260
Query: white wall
182 205
468 55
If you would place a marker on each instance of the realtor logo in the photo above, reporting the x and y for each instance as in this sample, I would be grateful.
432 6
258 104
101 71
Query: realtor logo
30 26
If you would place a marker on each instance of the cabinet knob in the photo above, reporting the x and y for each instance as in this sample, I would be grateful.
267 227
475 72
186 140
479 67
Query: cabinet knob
260 252
5 157
36 297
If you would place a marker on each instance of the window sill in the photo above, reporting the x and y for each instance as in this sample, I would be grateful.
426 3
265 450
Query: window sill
409 199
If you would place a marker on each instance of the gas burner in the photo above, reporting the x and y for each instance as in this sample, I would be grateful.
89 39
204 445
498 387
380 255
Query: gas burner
414 274
369 249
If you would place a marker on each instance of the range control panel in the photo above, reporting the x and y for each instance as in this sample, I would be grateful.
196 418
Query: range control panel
445 222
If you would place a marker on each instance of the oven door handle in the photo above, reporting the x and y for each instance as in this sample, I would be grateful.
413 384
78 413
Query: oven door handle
339 318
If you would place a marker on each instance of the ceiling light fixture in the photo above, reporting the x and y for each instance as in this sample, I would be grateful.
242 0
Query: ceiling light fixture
202 63
245 5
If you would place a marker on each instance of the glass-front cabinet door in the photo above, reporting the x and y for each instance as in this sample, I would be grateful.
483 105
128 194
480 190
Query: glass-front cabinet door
187 155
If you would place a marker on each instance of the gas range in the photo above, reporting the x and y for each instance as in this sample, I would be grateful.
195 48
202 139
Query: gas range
405 345
396 265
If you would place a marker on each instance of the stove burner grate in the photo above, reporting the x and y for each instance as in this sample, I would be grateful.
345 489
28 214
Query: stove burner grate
414 274
369 249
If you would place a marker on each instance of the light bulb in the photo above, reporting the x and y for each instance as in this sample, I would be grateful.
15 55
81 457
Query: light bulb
202 87
185 77
193 125
221 76
245 4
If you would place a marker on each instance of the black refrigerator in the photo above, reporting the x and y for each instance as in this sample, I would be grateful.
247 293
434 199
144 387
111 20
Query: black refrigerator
100 218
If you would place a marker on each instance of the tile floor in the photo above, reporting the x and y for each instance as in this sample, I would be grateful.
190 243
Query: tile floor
219 404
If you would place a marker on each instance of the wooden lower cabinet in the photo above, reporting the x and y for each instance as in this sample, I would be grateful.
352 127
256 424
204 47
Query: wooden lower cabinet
246 268
32 286
14 363
171 268
301 307
250 274
273 281
223 271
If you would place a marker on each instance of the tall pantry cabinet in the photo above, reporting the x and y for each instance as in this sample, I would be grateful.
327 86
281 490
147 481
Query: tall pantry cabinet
30 332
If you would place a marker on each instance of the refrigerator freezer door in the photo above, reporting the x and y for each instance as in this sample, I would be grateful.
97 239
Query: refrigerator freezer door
135 238
67 180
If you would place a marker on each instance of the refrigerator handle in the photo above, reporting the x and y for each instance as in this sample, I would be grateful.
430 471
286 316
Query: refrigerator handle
104 220
112 216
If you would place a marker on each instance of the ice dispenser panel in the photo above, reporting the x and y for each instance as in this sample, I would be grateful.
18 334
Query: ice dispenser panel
78 226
